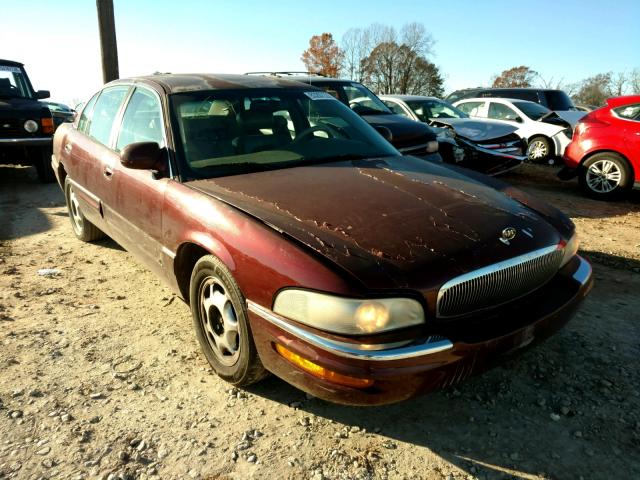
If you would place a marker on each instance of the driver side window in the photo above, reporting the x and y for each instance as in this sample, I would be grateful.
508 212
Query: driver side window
142 120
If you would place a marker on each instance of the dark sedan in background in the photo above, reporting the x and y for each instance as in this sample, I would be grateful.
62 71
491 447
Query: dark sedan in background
307 245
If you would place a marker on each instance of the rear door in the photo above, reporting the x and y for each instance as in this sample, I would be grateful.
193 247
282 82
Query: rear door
139 194
474 109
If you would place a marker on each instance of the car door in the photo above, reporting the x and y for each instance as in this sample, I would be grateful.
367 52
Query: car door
139 194
91 151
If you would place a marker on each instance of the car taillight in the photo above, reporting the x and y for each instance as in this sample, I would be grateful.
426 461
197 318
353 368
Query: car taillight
47 125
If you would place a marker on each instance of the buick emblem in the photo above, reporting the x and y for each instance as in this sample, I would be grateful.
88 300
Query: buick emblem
508 234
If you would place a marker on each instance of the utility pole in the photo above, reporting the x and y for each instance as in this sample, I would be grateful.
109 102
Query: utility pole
108 44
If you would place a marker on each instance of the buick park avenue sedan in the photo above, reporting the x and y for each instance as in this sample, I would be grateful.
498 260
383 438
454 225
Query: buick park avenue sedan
306 245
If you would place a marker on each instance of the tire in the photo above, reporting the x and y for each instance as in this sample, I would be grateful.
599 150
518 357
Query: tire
82 228
605 176
219 314
42 161
539 149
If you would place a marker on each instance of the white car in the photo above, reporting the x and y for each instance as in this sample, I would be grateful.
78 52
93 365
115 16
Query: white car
546 133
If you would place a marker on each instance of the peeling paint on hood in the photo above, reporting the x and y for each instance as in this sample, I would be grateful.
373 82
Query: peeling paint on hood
393 222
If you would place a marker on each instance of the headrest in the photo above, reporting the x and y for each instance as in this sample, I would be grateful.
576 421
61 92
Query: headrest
4 82
251 120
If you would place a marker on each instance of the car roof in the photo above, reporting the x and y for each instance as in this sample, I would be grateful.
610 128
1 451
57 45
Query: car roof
624 100
410 97
11 63
498 89
175 83
495 99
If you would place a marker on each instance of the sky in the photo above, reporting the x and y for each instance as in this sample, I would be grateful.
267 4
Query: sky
564 40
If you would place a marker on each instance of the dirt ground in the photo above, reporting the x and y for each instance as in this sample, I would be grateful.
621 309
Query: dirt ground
101 375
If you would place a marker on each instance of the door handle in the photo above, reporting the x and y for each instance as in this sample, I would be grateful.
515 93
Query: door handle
68 147
108 171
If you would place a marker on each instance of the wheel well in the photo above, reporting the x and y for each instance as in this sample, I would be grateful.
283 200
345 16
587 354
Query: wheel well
186 257
62 174
591 154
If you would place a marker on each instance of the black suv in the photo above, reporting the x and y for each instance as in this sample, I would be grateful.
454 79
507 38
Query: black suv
409 137
556 100
26 125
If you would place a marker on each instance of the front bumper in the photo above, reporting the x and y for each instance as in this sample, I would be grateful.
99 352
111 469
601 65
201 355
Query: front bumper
25 142
448 356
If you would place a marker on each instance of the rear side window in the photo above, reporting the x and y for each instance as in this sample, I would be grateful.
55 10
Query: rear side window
471 108
558 100
142 120
629 112
499 111
85 118
105 111
531 95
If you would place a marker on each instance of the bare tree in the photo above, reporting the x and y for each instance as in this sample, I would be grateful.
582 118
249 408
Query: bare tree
594 90
634 81
618 84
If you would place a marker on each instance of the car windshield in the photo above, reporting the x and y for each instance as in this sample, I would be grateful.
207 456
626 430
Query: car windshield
426 110
534 111
363 101
13 83
227 132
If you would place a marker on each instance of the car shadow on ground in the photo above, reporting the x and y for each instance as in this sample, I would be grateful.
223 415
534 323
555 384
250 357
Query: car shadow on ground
558 410
21 191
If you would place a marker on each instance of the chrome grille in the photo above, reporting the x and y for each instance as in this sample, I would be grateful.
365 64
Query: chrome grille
498 283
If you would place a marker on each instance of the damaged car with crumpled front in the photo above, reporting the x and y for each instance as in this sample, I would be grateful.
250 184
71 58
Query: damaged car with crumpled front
483 145
306 245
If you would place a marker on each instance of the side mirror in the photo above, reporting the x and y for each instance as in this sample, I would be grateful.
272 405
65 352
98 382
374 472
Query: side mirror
385 132
518 119
141 156
42 94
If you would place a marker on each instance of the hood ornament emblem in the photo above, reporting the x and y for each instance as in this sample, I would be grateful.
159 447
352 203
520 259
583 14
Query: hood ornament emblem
508 234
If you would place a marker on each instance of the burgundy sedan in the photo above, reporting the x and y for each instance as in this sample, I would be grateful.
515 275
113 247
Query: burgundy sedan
306 245
605 150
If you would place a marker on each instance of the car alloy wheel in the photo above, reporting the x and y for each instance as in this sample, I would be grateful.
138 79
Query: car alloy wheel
219 321
77 220
603 176
537 150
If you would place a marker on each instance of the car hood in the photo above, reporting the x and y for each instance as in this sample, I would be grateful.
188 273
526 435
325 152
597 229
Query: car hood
406 133
393 222
22 108
563 117
476 130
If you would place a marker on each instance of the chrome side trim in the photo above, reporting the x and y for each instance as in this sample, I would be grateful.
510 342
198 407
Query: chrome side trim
168 252
364 352
583 273
413 148
33 140
84 191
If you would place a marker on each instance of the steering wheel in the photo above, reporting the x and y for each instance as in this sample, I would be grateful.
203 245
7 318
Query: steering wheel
309 131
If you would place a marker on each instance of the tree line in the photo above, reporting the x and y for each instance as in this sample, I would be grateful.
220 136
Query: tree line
391 61
592 91
387 60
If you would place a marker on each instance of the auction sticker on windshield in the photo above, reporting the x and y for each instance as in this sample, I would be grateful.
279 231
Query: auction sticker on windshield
319 96
7 68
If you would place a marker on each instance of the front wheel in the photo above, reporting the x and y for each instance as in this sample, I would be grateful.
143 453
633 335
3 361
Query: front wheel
538 150
221 322
605 176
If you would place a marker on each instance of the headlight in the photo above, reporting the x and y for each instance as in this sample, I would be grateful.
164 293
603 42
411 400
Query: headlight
432 146
446 133
348 316
570 249
31 126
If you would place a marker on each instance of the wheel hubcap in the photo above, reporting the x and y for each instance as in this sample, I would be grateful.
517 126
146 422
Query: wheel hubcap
219 321
537 150
603 176
74 207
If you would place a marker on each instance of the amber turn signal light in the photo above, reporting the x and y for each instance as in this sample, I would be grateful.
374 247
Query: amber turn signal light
321 372
47 125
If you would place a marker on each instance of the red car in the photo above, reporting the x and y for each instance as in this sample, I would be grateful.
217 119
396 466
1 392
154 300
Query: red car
605 150
307 245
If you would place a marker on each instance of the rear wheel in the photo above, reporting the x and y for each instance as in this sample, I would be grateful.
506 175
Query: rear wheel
605 175
539 149
82 228
221 322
